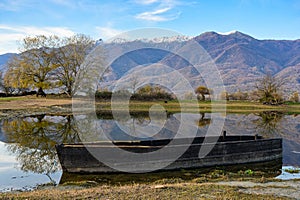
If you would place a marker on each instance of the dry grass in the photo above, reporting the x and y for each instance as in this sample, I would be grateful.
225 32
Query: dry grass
187 184
194 107
143 191
29 102
32 102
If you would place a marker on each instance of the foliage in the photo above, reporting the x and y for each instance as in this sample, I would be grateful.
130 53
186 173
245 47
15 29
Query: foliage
235 96
34 140
149 92
47 62
295 97
202 90
203 121
292 171
239 95
105 95
33 67
249 172
269 122
13 78
225 95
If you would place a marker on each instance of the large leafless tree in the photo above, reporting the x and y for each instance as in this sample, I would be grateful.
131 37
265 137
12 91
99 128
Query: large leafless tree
269 88
69 58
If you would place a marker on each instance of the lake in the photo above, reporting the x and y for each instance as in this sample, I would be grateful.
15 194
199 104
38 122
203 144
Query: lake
27 145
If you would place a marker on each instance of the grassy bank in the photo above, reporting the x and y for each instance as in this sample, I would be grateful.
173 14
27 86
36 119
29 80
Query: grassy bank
144 191
29 102
187 184
194 107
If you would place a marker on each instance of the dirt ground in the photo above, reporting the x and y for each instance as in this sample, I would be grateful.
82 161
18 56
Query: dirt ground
31 102
290 189
218 190
26 106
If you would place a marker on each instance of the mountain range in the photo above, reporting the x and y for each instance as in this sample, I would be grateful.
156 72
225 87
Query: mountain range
4 59
240 59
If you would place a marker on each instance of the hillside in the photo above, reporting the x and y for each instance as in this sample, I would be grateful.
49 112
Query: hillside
240 58
4 59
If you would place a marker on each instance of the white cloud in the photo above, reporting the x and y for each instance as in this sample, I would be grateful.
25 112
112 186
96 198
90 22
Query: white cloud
6 157
10 35
146 2
157 16
162 12
107 32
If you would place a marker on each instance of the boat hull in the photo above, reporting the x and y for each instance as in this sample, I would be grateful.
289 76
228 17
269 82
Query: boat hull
77 158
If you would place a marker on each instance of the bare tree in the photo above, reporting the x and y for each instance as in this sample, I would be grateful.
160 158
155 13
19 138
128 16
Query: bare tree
134 83
269 89
69 58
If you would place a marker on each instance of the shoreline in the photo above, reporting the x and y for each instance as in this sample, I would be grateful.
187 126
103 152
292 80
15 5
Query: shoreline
28 106
214 186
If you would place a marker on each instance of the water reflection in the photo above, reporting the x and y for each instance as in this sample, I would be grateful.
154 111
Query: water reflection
269 123
204 121
33 139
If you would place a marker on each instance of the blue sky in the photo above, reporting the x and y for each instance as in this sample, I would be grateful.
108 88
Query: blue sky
262 19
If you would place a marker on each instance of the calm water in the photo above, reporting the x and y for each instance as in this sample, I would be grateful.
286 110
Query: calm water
27 145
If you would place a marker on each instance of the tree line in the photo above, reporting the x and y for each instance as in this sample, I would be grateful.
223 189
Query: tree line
268 90
147 92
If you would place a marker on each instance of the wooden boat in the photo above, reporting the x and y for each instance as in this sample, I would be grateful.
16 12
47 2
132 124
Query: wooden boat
228 150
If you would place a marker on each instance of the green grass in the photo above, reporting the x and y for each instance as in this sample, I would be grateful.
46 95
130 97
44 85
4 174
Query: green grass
291 103
187 106
195 107
2 99
292 171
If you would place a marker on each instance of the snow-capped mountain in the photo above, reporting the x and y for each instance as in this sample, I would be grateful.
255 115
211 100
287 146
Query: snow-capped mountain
176 38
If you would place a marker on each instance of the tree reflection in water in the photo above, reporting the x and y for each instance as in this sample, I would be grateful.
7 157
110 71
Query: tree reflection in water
203 121
269 123
34 140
